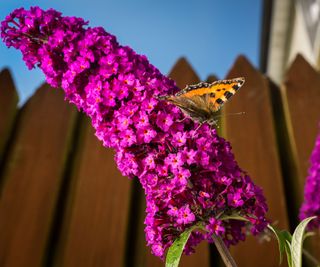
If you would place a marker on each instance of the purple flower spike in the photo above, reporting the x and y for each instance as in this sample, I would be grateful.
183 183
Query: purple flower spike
311 204
188 177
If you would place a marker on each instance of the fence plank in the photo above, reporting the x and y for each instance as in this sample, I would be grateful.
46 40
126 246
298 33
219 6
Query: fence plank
301 96
95 225
33 174
301 93
96 218
8 108
183 74
253 139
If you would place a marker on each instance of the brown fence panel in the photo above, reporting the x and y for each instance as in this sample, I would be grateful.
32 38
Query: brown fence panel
301 92
301 97
183 74
253 139
87 214
8 108
96 219
32 177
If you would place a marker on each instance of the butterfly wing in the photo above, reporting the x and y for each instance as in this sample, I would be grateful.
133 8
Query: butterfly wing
202 100
195 107
216 93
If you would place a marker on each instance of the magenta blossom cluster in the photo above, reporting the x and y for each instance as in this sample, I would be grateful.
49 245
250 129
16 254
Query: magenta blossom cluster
311 204
189 177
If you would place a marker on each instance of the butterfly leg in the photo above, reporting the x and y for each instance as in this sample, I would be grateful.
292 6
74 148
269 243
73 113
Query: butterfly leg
195 131
182 119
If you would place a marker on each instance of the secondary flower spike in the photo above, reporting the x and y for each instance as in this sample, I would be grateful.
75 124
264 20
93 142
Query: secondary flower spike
188 177
311 204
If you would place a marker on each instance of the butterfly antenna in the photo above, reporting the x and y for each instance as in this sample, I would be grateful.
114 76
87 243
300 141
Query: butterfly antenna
200 124
230 114
182 119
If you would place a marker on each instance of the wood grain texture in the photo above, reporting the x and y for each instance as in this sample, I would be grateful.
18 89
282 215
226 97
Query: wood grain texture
8 108
95 222
253 139
301 96
301 92
33 175
183 74
96 219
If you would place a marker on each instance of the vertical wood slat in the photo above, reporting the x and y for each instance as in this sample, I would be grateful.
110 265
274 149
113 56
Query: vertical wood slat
183 74
33 174
34 167
95 222
301 97
8 108
253 139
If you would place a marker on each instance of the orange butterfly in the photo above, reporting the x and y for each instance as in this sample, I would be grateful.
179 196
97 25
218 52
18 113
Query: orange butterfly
201 101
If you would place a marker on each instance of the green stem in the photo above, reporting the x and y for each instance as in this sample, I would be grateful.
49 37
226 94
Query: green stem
224 252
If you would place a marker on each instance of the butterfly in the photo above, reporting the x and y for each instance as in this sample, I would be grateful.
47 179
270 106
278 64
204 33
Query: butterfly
201 101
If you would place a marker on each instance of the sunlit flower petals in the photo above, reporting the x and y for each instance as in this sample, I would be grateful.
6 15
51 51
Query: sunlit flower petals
164 121
185 215
142 120
179 139
181 176
215 227
128 138
188 175
146 134
174 161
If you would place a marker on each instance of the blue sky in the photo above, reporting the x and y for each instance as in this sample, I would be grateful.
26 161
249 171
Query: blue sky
210 34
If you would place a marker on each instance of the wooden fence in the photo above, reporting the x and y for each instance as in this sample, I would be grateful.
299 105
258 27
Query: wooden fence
64 203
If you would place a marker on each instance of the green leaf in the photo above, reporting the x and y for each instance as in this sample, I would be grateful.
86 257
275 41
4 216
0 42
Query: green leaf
282 237
297 241
288 237
288 252
176 249
233 217
308 234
